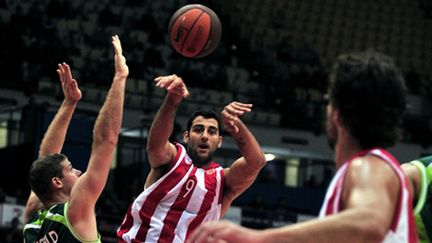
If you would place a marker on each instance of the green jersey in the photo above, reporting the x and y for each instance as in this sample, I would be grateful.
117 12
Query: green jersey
423 208
52 226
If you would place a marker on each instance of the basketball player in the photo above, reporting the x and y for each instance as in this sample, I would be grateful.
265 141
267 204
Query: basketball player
420 174
61 206
185 187
368 199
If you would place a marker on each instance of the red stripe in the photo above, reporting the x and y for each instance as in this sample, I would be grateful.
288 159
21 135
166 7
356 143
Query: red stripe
331 201
391 161
151 202
222 178
412 233
176 210
126 225
210 185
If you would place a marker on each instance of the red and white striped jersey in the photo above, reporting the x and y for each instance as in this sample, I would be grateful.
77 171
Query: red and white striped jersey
172 207
403 225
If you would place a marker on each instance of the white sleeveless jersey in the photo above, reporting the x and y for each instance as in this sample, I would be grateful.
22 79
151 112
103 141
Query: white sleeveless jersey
171 208
403 226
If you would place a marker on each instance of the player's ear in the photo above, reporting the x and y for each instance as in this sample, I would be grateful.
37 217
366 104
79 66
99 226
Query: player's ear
186 136
336 117
220 142
56 182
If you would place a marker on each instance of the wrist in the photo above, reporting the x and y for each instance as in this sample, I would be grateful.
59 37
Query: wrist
69 102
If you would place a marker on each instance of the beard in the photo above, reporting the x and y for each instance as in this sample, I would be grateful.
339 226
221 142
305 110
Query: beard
331 142
331 135
200 160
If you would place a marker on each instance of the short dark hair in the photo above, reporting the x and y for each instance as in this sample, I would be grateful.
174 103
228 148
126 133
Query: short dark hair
205 114
42 171
370 93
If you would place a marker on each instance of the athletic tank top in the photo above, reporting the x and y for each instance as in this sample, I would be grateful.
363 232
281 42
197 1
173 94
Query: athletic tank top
52 226
402 228
172 207
423 208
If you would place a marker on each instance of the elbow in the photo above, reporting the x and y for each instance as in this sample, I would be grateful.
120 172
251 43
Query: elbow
258 162
374 232
262 161
108 138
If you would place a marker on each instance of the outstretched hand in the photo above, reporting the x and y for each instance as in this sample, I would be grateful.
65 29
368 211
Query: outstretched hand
69 85
223 231
173 84
231 115
121 68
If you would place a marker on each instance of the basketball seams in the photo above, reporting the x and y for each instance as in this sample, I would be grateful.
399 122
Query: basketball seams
191 28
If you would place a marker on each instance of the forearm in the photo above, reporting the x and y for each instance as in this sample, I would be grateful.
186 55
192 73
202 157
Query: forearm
163 124
346 227
55 135
249 147
105 136
108 123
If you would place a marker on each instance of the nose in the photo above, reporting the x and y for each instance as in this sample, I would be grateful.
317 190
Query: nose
204 136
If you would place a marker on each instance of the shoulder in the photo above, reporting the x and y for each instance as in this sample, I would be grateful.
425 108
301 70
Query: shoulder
372 171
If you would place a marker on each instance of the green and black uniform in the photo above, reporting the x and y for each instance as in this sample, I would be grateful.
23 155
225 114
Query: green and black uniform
423 208
52 226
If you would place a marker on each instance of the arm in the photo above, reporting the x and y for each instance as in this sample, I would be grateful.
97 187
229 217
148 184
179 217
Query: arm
54 137
244 170
160 150
371 191
89 186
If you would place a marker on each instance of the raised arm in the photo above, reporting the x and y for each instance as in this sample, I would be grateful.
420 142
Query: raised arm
160 150
54 137
244 170
89 186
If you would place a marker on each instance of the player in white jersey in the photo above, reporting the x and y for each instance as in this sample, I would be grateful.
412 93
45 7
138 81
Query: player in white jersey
368 199
185 187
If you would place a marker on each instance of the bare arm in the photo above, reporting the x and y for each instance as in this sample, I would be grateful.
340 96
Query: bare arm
371 191
244 170
54 137
160 150
89 186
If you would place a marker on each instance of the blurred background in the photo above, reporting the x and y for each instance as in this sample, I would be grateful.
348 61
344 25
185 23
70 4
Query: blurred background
275 54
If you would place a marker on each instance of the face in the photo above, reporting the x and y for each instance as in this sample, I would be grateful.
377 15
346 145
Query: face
331 127
203 139
70 176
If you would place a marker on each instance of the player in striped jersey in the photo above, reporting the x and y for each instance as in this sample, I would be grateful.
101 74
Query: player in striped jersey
368 199
419 172
61 205
185 187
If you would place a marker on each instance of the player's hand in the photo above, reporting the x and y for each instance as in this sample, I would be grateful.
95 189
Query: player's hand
173 84
69 85
231 115
121 69
223 231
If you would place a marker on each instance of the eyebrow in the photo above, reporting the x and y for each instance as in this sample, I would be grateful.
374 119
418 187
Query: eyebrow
202 126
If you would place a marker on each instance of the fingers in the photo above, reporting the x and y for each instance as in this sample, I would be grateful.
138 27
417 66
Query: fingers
204 233
237 108
117 45
64 73
173 84
212 232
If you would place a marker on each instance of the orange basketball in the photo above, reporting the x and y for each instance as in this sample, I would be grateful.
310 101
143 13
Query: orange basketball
195 30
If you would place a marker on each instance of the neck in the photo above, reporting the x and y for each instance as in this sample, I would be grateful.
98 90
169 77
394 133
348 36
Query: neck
56 200
346 147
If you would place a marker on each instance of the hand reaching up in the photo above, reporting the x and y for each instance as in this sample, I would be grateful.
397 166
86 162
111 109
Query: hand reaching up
69 85
121 69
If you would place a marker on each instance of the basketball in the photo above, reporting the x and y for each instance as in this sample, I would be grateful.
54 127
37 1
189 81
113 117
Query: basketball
194 31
